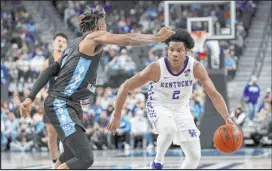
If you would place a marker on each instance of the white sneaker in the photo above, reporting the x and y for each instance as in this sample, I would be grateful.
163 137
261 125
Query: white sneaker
127 146
61 147
150 146
53 166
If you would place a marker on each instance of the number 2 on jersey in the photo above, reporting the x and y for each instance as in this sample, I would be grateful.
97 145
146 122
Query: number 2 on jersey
176 94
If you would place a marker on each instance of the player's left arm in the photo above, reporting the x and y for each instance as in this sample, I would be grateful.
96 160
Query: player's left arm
201 74
52 70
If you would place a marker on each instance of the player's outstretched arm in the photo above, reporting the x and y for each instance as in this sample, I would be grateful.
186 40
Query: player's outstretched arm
150 73
201 74
134 39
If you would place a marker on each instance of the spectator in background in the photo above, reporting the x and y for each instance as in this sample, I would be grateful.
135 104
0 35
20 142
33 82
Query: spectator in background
196 107
11 128
102 120
70 11
140 130
251 95
4 139
230 64
96 108
239 116
99 137
126 63
267 99
11 67
37 63
24 72
151 57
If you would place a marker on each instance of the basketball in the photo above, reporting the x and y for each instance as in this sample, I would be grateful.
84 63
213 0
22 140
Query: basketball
228 139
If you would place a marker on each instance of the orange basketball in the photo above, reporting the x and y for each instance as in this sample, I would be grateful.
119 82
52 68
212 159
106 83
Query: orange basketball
228 139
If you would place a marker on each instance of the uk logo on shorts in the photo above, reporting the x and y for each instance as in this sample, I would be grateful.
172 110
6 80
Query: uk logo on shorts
192 132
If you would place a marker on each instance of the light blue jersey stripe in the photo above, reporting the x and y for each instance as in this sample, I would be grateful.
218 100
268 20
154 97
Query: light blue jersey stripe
78 76
66 123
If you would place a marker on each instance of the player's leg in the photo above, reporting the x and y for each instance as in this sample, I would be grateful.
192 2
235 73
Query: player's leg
166 127
192 151
64 156
66 120
80 146
52 139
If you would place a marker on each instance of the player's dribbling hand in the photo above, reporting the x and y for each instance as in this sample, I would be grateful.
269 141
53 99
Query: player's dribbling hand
25 107
164 34
229 121
113 124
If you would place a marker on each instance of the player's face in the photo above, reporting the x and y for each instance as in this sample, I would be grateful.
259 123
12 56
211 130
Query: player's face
59 44
176 53
102 25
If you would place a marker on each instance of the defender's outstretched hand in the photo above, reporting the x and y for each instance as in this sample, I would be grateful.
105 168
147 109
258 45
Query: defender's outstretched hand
165 33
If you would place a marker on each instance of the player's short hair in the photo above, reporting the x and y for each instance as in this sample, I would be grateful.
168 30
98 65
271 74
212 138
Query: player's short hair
61 35
182 36
89 20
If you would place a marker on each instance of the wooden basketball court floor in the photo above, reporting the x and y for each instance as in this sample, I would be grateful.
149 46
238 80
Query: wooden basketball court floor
250 158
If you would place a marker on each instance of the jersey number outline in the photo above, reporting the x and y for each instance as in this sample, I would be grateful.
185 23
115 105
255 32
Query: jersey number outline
176 95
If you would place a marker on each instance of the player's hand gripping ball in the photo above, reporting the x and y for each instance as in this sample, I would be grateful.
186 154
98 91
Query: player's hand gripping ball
228 139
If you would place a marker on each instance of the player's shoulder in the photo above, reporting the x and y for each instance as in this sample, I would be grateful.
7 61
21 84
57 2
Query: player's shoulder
197 64
154 67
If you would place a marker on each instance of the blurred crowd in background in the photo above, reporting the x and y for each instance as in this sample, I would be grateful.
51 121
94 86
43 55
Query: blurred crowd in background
23 52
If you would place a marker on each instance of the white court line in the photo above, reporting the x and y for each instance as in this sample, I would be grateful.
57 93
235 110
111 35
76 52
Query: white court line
217 166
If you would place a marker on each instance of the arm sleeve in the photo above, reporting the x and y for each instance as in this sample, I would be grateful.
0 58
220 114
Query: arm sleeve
43 78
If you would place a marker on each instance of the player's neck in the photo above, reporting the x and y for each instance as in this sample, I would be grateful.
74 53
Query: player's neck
56 54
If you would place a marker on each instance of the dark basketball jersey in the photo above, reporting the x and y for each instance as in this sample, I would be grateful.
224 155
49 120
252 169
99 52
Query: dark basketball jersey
76 79
52 79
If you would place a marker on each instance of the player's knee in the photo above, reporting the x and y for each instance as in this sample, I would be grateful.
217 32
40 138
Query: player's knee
169 130
194 156
51 131
86 157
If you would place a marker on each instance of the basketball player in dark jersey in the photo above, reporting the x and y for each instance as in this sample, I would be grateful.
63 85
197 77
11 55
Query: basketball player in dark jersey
76 79
59 44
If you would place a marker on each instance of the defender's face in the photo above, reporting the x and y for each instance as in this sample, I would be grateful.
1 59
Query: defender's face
176 53
60 43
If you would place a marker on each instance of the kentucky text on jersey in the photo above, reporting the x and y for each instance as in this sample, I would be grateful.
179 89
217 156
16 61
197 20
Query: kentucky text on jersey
177 84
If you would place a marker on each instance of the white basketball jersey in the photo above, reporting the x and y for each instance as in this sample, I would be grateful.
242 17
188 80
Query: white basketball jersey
172 90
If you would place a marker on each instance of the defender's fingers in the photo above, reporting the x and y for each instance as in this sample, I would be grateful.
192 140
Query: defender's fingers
97 8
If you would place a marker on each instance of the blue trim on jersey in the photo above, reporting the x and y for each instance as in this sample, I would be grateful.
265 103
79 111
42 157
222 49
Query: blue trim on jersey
66 123
150 109
169 70
78 76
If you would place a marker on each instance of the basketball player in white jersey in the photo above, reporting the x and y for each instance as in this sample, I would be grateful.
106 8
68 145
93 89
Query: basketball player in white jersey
168 100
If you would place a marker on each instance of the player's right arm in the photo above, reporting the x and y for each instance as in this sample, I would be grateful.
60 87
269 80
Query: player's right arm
96 39
134 39
150 73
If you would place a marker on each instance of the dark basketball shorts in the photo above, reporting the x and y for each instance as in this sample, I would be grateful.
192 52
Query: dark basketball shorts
46 119
64 115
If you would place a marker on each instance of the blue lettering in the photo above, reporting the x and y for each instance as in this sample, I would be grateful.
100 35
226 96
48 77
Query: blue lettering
186 83
162 84
174 84
170 85
179 84
166 85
